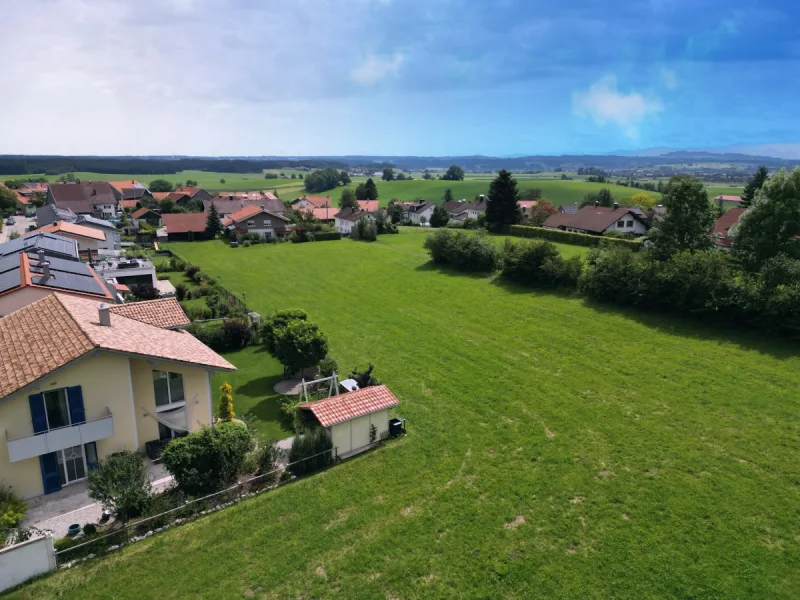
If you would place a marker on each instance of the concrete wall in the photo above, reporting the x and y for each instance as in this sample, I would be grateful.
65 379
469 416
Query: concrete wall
104 382
23 561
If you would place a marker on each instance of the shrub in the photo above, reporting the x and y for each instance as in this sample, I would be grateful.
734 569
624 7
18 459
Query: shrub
207 460
539 263
191 271
365 230
365 378
12 508
568 237
180 291
615 274
199 292
176 264
310 452
120 482
236 334
324 236
225 411
210 334
162 276
246 243
201 276
465 251
144 291
89 529
269 462
327 366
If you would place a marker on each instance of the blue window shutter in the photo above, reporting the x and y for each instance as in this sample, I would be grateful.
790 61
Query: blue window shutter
75 401
90 452
38 415
50 479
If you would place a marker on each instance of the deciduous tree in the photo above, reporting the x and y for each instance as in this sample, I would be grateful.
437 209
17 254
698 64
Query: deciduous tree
361 191
348 199
160 185
454 173
388 174
440 217
448 195
300 345
371 190
689 220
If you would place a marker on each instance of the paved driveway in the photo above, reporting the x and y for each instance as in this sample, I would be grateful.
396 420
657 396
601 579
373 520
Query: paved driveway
21 226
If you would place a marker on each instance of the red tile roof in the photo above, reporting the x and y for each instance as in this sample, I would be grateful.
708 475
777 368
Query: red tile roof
726 198
184 222
318 201
130 203
368 205
73 229
188 190
323 214
140 213
160 196
120 186
164 312
338 409
590 218
725 222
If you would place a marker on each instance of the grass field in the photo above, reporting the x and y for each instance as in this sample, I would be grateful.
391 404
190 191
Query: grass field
556 449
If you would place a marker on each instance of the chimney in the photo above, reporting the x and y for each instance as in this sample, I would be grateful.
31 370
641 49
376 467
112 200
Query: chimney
596 204
105 315
616 206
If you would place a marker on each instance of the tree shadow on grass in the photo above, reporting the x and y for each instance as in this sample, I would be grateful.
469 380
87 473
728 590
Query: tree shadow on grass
267 410
262 386
514 287
702 328
452 271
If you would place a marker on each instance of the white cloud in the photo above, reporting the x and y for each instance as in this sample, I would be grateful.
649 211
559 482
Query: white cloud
375 68
669 79
604 103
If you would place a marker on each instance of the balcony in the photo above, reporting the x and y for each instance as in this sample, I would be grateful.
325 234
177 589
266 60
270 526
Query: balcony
30 446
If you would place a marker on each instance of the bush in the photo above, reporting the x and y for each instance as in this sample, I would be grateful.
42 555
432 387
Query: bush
89 529
201 276
364 378
465 251
191 271
568 237
176 264
12 508
210 334
225 409
199 292
235 334
539 263
162 276
144 291
269 462
616 275
207 460
199 313
246 243
180 291
120 482
325 236
310 452
327 366
365 230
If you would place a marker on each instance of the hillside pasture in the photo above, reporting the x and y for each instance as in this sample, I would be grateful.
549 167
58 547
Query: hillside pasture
556 449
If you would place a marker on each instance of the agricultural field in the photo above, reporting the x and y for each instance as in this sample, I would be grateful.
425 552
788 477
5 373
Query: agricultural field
556 448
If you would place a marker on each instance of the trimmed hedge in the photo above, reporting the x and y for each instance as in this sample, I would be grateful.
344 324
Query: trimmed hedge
569 237
325 236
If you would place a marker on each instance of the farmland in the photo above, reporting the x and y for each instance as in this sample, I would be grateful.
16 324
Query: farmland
555 449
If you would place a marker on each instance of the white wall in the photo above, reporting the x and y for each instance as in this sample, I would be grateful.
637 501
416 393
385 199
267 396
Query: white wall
637 228
23 561
343 225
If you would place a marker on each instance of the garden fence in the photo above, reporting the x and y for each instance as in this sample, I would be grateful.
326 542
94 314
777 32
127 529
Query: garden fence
140 529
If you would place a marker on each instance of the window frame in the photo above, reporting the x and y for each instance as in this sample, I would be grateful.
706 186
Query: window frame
251 223
620 224
169 405
66 404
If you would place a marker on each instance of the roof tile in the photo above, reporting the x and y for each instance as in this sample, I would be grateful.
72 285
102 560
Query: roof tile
345 407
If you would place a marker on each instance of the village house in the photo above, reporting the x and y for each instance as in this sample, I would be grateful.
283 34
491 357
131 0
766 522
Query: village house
194 193
40 264
131 191
178 227
728 201
230 203
99 382
148 215
599 220
723 225
90 240
25 196
417 212
96 198
345 220
258 220
312 202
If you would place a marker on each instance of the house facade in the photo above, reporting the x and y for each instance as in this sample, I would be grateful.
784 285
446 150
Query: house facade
599 220
417 211
345 220
102 383
96 198
184 226
258 220
312 202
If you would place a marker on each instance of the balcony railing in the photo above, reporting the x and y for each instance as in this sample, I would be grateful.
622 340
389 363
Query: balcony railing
30 446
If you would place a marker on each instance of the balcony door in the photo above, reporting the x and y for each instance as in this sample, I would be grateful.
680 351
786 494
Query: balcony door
71 465
56 408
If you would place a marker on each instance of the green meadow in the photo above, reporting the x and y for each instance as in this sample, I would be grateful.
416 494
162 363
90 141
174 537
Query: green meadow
555 449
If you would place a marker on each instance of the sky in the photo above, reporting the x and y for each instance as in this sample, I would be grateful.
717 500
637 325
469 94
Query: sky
398 77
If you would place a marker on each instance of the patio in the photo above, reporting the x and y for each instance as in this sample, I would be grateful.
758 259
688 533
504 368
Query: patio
56 512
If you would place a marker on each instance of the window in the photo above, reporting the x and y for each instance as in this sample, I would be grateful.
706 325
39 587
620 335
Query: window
620 224
168 388
71 465
251 223
267 223
630 223
56 408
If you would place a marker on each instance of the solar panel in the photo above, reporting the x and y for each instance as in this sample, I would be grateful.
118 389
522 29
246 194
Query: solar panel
9 279
76 283
8 263
68 266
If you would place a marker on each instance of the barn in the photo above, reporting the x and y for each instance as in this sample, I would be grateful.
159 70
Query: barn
355 420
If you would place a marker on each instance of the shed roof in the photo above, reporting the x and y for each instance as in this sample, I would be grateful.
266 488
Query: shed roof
346 407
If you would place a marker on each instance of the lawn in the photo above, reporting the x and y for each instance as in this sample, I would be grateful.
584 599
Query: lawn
556 449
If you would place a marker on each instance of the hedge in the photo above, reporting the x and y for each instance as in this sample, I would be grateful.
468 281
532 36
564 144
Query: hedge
568 237
324 236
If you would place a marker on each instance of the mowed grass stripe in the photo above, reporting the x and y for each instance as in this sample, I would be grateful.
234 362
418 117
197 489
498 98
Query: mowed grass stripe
555 449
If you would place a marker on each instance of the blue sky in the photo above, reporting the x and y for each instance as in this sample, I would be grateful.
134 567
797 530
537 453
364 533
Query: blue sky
397 77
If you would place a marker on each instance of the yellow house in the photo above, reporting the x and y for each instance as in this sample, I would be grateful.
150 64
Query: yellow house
80 380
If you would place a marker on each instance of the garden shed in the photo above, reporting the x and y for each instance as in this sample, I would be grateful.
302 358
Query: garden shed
356 419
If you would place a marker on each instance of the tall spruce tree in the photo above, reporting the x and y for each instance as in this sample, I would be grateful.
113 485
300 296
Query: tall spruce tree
371 190
755 183
348 199
502 208
689 220
448 195
213 222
